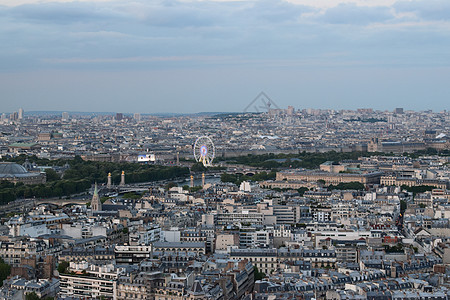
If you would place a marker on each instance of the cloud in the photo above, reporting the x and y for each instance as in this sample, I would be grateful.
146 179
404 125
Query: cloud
143 33
325 4
62 13
170 14
353 14
115 50
277 11
12 3
427 10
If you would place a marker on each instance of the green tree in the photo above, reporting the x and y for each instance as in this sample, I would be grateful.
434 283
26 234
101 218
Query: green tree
62 267
347 186
302 190
5 271
132 196
398 248
225 177
403 205
32 296
258 275
195 189
418 189
198 167
52 175
171 185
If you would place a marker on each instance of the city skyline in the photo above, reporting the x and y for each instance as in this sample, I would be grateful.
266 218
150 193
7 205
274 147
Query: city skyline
193 56
58 113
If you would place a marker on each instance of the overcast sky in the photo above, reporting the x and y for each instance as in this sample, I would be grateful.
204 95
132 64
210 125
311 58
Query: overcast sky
192 56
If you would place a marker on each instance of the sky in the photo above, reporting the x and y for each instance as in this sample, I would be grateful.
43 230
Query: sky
187 56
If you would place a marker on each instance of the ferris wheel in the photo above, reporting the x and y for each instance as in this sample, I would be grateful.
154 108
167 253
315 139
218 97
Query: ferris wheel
204 150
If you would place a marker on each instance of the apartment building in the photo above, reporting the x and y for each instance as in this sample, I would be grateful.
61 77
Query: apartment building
264 259
90 281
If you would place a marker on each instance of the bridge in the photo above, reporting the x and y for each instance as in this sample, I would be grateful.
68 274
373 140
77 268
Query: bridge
245 170
61 202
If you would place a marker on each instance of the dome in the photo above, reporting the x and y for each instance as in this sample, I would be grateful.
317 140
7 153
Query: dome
16 173
7 168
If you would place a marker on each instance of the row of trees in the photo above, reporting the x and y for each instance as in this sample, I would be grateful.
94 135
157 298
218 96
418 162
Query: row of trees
301 160
10 191
428 151
199 167
98 171
81 174
347 186
417 189
314 160
237 178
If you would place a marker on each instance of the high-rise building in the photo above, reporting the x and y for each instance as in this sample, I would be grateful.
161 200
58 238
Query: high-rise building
119 116
398 110
65 116
137 117
20 113
290 111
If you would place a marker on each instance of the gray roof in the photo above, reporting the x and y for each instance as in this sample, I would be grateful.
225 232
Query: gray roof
8 168
197 288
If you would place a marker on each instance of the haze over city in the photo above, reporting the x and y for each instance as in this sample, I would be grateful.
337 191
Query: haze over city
193 56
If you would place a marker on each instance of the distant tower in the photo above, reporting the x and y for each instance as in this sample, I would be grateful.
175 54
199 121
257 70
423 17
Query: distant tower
398 110
65 116
290 111
20 113
96 204
178 158
109 184
122 178
203 180
192 181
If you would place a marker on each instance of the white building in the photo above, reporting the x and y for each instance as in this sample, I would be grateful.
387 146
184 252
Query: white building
90 281
144 234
